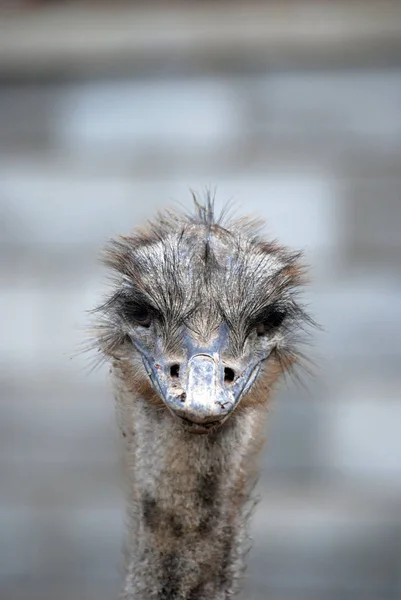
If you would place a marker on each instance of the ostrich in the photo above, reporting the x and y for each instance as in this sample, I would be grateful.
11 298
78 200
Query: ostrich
202 320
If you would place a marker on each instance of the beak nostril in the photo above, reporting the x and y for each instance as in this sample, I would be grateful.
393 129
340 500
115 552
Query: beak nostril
229 375
175 371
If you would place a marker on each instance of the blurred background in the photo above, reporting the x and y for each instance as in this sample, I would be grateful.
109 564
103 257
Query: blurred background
109 111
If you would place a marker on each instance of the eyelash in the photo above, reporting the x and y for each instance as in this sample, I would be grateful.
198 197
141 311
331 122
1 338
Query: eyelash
137 312
272 319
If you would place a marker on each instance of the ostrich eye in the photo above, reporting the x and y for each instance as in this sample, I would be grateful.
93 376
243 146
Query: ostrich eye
139 313
272 318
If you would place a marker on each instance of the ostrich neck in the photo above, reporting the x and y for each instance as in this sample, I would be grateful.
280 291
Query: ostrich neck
187 502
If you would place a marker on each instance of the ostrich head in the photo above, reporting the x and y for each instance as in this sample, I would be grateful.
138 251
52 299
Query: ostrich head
203 316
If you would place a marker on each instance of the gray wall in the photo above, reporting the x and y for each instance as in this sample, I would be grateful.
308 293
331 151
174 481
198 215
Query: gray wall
317 154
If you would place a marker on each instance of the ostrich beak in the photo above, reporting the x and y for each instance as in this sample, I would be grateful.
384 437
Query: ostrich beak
202 390
202 397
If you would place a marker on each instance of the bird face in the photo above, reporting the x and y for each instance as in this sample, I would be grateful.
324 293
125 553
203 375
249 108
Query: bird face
199 313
